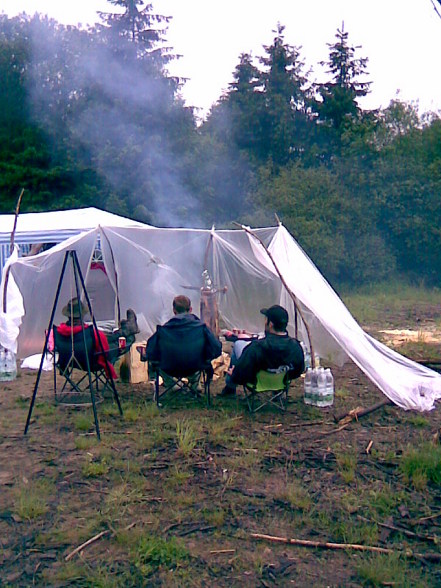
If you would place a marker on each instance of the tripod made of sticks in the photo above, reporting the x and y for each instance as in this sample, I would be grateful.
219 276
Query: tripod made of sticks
80 288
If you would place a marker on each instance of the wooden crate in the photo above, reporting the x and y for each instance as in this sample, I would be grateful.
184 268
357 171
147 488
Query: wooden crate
134 370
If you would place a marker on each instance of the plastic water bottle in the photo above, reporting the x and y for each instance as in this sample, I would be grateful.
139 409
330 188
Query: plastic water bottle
329 395
321 387
314 390
8 366
307 387
307 356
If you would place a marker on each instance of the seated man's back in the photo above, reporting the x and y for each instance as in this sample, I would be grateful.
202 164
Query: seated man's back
271 352
275 350
184 344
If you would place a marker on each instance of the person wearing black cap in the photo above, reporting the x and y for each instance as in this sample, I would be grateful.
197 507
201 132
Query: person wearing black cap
277 348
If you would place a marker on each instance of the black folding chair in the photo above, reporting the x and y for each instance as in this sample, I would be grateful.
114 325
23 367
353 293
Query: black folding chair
271 388
183 368
77 362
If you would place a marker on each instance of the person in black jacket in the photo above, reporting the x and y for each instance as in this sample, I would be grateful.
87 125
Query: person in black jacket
183 345
276 349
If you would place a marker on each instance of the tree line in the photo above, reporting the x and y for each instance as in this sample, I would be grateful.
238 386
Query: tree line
92 117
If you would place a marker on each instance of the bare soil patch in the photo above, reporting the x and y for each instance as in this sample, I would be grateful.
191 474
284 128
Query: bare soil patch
172 497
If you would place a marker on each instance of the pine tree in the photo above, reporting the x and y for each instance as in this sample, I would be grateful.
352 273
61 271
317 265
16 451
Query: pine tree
139 25
286 100
338 105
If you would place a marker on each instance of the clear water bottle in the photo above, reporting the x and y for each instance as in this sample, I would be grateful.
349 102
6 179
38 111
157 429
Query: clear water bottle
321 386
329 395
306 355
314 388
307 387
8 366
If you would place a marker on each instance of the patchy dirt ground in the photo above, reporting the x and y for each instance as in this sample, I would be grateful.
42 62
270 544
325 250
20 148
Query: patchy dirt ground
173 497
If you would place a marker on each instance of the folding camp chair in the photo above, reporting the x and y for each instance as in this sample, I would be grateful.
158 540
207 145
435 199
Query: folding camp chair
180 383
77 352
271 388
183 366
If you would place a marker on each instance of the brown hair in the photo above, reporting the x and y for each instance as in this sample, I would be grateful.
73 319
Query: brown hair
181 304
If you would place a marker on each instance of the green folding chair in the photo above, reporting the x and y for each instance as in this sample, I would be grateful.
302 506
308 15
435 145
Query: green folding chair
271 388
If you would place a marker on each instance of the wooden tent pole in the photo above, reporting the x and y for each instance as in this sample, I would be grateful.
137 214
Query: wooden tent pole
11 248
282 279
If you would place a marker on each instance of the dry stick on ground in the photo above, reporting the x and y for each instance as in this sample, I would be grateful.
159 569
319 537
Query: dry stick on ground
85 544
354 546
70 555
400 530
420 520
358 412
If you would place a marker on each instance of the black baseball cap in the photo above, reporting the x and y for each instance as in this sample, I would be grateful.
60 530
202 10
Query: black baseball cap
277 315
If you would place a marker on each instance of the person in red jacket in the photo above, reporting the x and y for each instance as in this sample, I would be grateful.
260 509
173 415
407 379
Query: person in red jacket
76 311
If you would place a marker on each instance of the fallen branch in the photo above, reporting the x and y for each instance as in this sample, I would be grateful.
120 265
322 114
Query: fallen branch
219 551
358 412
94 539
420 520
325 433
195 529
354 546
400 530
86 544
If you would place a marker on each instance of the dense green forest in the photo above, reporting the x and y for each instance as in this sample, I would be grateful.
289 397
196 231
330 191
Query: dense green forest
91 117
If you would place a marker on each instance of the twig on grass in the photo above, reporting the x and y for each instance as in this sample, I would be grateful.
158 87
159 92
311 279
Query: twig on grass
435 557
70 555
435 516
358 412
400 530
93 539
195 529
306 424
326 433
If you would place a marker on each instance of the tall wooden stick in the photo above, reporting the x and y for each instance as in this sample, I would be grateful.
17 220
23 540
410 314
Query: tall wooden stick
282 279
11 248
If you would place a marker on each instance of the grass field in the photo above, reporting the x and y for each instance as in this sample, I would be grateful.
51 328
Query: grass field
176 496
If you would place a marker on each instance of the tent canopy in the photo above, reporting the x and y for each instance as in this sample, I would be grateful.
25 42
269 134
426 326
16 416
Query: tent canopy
55 226
147 266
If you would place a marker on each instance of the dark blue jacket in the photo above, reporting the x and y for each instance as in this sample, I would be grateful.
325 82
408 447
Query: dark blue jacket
183 345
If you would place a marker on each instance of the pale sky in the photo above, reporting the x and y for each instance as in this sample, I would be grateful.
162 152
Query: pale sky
401 38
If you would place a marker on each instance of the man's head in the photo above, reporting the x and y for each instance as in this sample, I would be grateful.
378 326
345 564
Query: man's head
181 304
277 316
75 309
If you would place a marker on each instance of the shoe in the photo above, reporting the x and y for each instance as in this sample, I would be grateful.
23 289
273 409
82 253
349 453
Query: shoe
228 391
132 323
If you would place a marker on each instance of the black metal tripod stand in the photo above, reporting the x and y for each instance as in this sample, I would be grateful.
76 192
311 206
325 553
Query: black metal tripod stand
80 289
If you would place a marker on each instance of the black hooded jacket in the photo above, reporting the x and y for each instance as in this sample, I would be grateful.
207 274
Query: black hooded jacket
271 352
183 345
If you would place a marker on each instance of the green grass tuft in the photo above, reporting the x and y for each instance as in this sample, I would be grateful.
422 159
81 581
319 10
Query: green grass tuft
421 465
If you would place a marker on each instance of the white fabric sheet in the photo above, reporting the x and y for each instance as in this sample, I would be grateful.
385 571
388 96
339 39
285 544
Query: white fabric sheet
146 267
10 320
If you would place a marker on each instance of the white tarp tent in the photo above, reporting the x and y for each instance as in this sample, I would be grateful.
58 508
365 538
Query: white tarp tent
54 227
148 266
